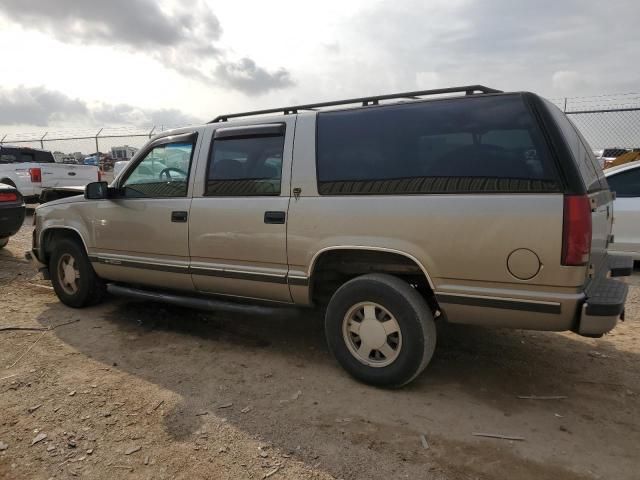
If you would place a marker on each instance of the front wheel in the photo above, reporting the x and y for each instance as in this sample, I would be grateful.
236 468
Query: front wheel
380 329
72 275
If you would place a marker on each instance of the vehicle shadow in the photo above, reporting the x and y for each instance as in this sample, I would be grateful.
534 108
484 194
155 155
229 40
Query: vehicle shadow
275 362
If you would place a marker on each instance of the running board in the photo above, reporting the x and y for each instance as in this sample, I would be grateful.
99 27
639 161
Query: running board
187 301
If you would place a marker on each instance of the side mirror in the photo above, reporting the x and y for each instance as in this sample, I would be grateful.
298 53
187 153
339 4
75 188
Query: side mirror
96 191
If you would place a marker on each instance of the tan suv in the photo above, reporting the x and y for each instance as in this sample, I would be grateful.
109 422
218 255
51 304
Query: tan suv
466 205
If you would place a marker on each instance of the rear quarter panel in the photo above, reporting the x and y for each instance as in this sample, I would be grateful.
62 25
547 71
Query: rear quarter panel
462 241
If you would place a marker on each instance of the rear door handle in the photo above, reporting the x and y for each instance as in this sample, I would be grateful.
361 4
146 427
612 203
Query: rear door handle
179 216
274 217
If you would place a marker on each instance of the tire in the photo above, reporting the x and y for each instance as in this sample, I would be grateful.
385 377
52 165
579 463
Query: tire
88 288
6 181
408 351
3 242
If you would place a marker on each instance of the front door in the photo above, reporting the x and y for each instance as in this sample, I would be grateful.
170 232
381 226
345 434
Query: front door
142 235
237 229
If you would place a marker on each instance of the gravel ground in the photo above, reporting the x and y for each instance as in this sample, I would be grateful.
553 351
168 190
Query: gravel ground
142 390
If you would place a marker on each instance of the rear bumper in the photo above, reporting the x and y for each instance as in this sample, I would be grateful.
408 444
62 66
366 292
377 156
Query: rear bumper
591 310
605 298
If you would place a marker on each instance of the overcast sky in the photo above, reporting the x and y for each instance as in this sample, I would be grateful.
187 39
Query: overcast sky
68 63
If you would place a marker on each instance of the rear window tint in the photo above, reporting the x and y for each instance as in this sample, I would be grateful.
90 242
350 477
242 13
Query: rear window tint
482 144
590 169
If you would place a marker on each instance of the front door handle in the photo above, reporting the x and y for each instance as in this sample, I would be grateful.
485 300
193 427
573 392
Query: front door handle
179 216
274 217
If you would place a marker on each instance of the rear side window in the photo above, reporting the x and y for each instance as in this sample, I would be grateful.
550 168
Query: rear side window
625 184
480 144
245 165
590 169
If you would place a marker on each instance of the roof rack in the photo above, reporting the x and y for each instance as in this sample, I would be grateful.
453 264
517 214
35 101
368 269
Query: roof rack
468 90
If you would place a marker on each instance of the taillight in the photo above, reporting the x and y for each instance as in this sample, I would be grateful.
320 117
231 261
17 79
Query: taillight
8 197
36 175
576 230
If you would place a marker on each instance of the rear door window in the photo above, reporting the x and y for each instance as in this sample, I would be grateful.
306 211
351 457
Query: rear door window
246 165
27 157
462 145
43 157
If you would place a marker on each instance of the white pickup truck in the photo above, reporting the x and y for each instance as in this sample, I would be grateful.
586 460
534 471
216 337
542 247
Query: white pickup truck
30 170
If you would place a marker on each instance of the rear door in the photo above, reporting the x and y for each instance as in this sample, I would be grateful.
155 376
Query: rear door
238 222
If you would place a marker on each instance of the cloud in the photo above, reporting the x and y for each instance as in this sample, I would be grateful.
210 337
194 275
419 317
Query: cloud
38 106
567 81
251 79
185 39
506 44
41 107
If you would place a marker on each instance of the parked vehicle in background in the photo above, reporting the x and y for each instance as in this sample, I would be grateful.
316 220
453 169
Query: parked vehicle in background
486 208
624 180
30 170
91 160
12 211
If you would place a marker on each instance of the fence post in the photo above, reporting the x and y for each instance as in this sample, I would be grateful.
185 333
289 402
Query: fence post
42 140
98 146
565 104
151 132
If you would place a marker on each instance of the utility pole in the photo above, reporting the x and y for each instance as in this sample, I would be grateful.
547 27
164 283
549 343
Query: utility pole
97 146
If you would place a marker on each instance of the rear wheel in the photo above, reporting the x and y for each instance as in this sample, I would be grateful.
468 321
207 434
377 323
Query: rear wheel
73 278
3 242
380 330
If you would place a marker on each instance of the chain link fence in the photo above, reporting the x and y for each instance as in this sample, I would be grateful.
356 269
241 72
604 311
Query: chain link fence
84 142
606 121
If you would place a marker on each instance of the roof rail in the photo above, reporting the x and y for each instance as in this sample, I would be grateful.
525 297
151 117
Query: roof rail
468 90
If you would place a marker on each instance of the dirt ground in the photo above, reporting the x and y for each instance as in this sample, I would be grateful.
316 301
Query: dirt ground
140 390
